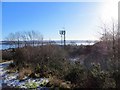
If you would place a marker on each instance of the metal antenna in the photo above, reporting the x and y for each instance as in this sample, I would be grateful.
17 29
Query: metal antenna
64 35
62 32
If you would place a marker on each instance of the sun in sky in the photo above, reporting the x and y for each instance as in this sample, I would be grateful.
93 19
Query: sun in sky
109 10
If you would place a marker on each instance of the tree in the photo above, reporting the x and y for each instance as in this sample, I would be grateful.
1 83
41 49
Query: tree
25 38
11 39
113 43
33 36
18 38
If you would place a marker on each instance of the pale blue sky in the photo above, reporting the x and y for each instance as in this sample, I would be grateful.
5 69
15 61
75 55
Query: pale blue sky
0 21
53 0
79 19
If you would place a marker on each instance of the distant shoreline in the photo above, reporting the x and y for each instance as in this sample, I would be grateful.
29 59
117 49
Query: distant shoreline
52 41
6 44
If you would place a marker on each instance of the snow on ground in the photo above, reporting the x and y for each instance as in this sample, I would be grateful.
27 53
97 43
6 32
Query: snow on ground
12 81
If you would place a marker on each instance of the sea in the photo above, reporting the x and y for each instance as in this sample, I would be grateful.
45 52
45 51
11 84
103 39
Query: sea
3 47
75 42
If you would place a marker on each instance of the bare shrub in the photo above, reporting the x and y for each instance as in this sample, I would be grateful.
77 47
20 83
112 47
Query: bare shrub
48 58
7 55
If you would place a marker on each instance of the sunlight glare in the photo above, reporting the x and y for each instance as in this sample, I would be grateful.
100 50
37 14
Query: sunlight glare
109 10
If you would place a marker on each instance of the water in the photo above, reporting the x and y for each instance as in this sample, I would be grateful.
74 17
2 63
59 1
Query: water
5 46
2 46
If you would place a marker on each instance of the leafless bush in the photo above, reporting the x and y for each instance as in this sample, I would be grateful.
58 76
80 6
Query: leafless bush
7 55
51 57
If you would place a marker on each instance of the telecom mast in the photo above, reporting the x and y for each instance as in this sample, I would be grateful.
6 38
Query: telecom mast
62 33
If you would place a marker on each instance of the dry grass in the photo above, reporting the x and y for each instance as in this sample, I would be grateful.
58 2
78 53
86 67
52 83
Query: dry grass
55 82
24 72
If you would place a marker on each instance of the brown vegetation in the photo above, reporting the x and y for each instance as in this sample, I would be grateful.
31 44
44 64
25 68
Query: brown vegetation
24 72
100 67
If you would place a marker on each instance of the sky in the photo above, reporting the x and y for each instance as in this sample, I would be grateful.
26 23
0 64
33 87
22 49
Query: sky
80 19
